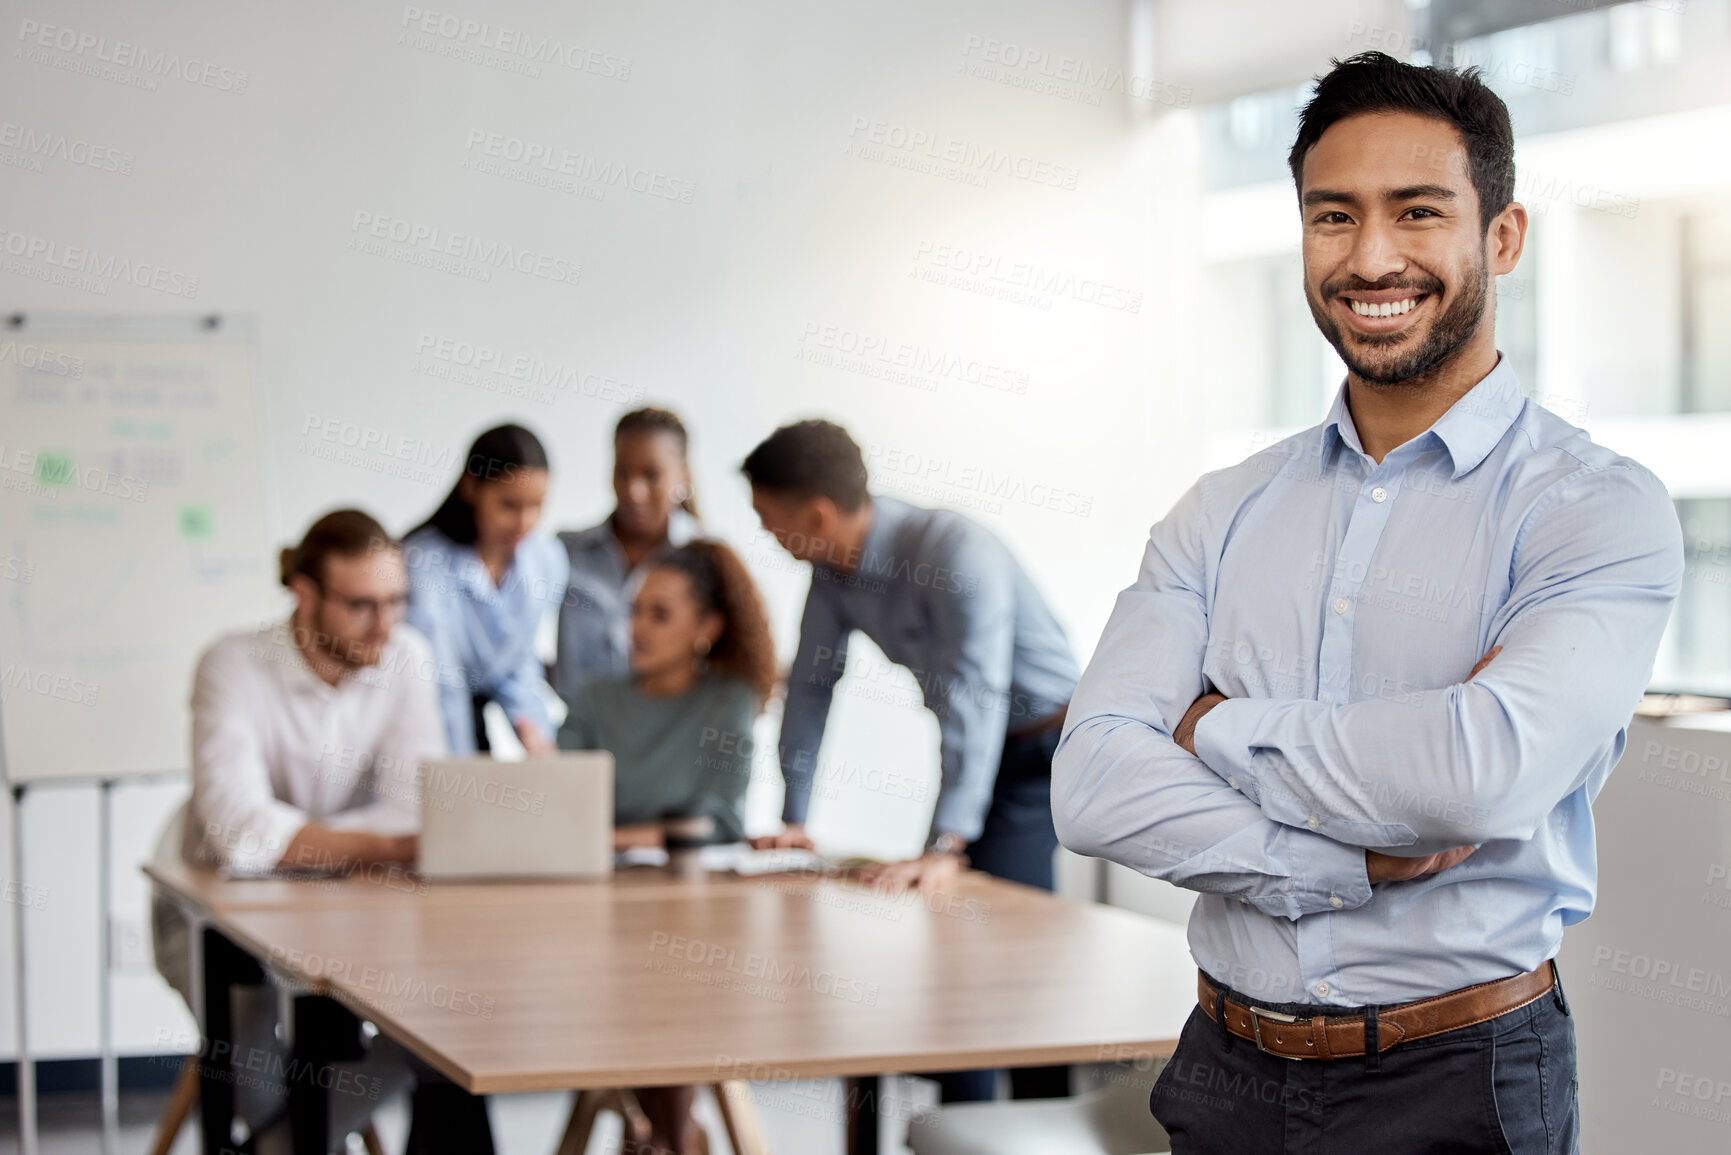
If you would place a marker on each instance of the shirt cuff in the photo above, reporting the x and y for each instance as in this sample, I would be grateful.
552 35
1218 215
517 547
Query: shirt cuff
258 843
796 801
1325 875
375 818
955 815
1223 738
1226 741
531 708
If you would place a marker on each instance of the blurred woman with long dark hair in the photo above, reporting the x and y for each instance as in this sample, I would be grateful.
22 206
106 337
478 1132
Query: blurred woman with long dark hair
480 586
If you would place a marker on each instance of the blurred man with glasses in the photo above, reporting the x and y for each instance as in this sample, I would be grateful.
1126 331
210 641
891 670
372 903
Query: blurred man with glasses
307 740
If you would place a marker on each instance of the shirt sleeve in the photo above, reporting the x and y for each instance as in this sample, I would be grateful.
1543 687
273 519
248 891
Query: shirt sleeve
241 820
519 692
522 691
817 666
1122 789
433 613
968 688
1596 567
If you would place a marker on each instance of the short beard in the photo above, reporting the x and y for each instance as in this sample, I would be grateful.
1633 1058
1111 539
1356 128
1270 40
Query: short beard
1448 335
347 652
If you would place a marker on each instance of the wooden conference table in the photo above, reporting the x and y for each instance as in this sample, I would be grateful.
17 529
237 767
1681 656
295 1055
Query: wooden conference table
650 979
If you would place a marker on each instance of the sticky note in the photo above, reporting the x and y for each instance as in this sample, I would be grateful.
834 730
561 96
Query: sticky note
196 522
53 470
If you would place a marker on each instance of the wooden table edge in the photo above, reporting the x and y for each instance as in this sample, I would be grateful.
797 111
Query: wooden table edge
769 1070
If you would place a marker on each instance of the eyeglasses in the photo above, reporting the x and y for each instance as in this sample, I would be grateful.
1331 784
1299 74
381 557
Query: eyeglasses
369 608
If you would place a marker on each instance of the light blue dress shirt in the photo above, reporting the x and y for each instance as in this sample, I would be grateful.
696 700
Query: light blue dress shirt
483 636
595 619
942 596
1340 604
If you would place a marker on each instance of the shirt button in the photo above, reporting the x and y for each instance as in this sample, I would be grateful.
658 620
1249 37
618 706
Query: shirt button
1312 822
1244 900
1334 901
1321 989
1340 605
1232 782
1379 495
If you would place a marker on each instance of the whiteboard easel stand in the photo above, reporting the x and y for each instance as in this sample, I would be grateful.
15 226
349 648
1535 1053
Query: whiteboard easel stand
26 1067
109 1060
105 976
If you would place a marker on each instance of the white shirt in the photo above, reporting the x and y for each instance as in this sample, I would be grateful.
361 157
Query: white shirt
275 747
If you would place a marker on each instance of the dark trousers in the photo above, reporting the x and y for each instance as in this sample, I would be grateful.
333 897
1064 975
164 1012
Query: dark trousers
1017 844
1506 1085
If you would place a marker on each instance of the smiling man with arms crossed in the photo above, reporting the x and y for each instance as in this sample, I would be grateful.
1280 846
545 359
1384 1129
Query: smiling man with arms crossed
1369 681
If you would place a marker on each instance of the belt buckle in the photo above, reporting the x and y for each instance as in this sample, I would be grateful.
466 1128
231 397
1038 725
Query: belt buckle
1257 1014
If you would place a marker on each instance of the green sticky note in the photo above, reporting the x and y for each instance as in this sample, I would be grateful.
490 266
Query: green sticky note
53 470
195 522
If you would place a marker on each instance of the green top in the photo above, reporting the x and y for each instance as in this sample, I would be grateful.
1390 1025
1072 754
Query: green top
689 753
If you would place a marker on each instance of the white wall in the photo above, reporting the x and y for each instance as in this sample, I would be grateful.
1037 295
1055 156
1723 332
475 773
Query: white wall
709 306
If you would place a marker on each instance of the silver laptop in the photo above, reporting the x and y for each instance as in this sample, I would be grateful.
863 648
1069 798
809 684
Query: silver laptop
539 818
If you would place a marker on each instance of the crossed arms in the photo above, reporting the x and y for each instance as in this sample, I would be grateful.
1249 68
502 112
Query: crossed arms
1277 801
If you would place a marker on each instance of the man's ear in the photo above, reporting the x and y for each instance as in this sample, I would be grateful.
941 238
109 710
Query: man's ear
305 590
1506 239
822 516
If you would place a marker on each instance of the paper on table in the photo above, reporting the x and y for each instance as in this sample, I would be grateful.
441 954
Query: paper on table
737 857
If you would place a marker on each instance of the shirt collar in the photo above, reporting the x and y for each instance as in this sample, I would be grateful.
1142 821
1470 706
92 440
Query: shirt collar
285 657
1470 429
682 527
887 514
1477 422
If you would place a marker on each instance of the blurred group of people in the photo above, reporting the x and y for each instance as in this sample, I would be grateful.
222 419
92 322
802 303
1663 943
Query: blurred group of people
309 733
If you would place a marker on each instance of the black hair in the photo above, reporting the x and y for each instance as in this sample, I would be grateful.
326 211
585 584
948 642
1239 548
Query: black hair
649 419
497 455
1376 82
810 459
721 583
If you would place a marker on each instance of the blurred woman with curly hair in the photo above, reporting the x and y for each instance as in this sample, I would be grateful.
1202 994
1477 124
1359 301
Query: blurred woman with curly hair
679 725
679 729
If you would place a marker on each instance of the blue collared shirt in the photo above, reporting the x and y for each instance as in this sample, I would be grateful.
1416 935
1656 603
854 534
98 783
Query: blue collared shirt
942 596
595 619
483 636
1340 604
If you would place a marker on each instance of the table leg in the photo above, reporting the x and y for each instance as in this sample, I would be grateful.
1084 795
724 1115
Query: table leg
225 966
863 1097
324 1031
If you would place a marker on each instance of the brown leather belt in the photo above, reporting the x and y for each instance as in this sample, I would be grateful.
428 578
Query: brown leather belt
1342 1036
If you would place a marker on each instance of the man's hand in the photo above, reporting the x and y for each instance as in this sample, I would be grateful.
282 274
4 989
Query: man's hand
1379 867
395 848
932 871
1185 734
318 847
792 837
644 834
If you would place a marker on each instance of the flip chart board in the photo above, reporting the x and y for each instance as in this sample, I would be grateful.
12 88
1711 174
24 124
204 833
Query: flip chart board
132 532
